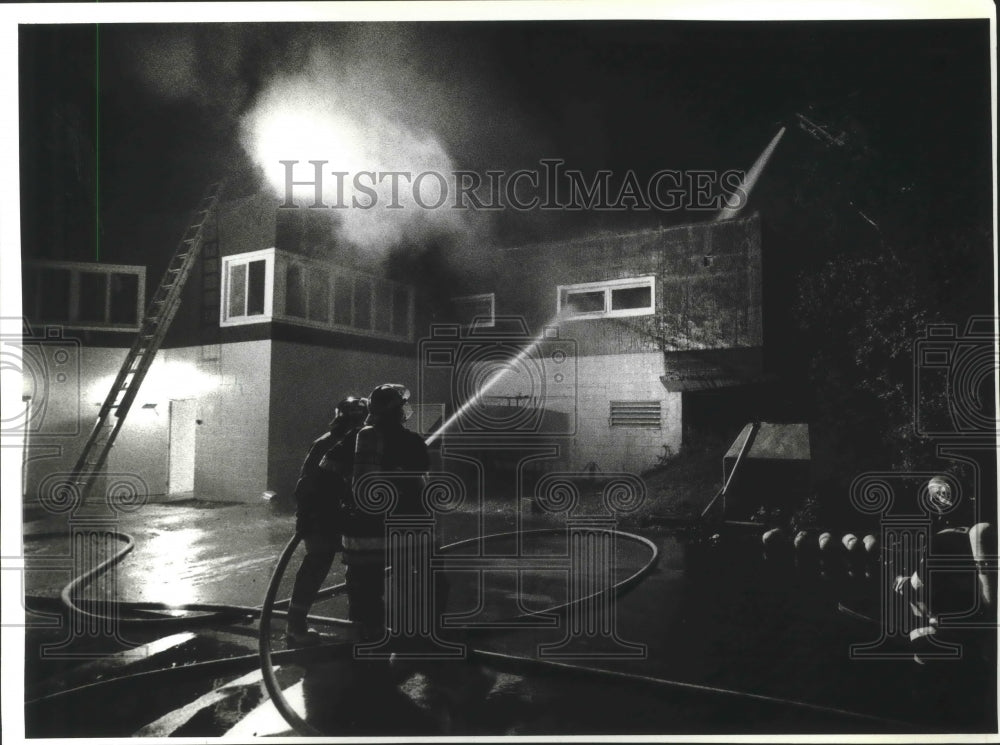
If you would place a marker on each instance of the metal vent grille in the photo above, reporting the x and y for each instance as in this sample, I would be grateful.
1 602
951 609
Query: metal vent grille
635 414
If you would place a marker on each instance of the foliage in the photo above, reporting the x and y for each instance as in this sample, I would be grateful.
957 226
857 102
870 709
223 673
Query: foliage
862 314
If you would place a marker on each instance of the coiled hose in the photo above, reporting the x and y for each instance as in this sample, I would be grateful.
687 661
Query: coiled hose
211 614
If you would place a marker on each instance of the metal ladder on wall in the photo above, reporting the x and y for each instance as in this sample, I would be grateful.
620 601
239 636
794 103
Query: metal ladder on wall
153 328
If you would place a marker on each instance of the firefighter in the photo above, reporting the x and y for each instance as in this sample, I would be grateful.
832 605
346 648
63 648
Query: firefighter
911 582
384 446
323 482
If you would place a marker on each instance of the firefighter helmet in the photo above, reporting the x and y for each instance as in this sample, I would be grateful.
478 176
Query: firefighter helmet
353 406
350 411
940 495
387 398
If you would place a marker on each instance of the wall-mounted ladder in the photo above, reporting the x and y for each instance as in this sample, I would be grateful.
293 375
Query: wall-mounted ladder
159 315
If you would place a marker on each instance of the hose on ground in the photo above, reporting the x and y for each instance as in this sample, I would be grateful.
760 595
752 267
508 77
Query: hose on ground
519 664
207 613
211 614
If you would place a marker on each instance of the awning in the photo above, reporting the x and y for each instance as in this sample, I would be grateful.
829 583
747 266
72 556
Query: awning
774 442
706 369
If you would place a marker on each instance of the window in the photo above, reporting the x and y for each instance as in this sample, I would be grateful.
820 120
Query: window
319 296
609 299
362 303
84 295
248 282
124 299
383 307
480 309
343 300
93 297
255 287
402 311
325 296
635 414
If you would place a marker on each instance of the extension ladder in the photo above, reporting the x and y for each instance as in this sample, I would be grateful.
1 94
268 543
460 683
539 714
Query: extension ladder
153 328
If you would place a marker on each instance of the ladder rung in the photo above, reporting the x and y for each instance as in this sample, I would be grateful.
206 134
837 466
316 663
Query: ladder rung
152 329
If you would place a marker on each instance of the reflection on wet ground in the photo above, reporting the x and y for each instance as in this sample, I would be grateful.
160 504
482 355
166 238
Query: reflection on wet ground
721 618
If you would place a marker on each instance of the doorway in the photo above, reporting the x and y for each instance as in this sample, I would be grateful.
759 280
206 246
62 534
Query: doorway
180 461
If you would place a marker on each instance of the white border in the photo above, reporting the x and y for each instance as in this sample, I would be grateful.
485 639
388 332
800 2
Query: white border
10 291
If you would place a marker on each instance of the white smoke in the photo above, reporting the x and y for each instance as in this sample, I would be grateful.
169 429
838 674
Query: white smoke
338 110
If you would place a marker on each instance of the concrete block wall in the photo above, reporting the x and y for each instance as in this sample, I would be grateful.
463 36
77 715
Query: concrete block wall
232 440
66 398
708 286
601 379
307 381
141 449
622 377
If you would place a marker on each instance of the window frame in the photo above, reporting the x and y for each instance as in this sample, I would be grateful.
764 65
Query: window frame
491 296
380 288
245 259
75 270
607 287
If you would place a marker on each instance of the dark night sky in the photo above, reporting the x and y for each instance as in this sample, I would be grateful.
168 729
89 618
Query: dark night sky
910 97
622 95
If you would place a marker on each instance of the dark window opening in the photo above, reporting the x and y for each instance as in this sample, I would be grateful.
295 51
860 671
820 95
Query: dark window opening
255 288
470 309
383 307
363 303
124 299
585 302
342 300
93 296
401 311
319 296
631 298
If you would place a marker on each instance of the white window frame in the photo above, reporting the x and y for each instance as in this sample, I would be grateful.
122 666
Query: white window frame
608 286
286 260
228 262
476 299
75 269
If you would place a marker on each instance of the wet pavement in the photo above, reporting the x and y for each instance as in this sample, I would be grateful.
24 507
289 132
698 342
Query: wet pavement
735 645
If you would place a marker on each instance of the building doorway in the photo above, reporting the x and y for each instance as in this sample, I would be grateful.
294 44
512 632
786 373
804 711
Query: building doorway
180 463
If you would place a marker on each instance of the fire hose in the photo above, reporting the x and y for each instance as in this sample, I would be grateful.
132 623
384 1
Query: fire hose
211 614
